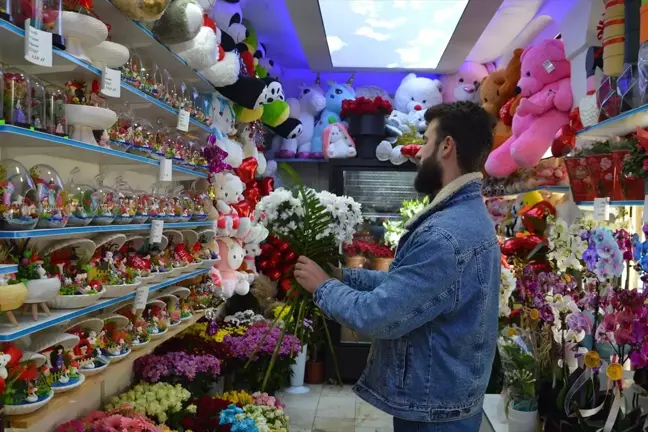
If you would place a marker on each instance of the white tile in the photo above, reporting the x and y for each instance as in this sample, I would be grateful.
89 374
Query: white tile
301 417
333 425
336 390
368 416
308 400
336 407
389 428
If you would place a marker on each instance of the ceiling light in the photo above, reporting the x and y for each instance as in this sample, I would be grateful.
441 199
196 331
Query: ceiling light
404 34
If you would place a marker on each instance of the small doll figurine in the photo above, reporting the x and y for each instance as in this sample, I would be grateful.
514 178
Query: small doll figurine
57 359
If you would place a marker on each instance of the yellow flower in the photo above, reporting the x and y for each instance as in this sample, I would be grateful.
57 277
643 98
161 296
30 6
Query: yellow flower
242 397
281 312
534 314
511 331
592 360
615 372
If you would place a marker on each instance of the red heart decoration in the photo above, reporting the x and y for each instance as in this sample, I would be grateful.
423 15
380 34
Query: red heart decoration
290 257
247 169
266 249
564 141
252 196
266 185
264 264
243 209
275 275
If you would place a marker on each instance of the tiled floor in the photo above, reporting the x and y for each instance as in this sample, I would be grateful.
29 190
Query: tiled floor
333 409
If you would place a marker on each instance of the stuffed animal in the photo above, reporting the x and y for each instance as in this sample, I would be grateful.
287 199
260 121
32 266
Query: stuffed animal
181 22
223 120
496 90
232 256
229 19
334 96
337 143
252 244
417 94
4 361
228 190
310 103
142 10
547 100
463 85
245 135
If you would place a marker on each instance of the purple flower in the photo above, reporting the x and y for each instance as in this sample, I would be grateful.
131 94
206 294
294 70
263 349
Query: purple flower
243 347
152 368
579 321
590 256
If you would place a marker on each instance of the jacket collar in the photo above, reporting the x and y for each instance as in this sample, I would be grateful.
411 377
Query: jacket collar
446 194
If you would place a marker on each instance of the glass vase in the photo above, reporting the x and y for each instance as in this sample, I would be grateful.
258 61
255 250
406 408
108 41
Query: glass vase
17 98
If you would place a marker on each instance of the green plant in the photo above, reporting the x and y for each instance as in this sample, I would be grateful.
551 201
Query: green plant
520 369
395 228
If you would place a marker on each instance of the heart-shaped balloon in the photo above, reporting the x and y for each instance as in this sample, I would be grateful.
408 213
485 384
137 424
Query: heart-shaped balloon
275 275
266 186
266 249
564 141
243 208
264 264
252 196
247 169
290 257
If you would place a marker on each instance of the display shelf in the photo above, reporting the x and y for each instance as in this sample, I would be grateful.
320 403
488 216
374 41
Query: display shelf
27 326
8 269
95 229
66 67
140 39
620 125
553 189
613 203
95 391
297 160
21 141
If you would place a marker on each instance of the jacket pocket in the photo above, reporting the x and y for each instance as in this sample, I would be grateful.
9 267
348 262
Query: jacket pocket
402 362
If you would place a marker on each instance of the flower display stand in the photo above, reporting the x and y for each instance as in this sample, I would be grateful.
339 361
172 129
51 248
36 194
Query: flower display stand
298 372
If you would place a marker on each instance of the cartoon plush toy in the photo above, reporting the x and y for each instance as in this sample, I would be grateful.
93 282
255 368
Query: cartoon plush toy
547 100
232 256
310 103
4 361
246 135
495 91
228 189
337 143
463 85
417 94
223 120
181 22
334 96
252 244
142 10
229 19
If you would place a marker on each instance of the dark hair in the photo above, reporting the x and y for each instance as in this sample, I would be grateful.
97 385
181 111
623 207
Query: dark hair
470 126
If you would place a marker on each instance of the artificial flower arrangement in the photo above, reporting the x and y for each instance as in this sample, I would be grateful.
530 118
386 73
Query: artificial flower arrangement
312 229
23 389
194 372
137 328
157 401
583 324
160 263
118 419
118 339
173 309
140 263
365 106
61 369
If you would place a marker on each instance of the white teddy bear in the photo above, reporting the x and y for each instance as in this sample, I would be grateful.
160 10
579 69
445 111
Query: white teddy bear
417 94
4 361
229 190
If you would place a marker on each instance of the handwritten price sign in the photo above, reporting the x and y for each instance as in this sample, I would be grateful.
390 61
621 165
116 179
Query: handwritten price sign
38 45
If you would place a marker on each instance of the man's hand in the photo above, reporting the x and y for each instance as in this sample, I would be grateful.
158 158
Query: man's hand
309 274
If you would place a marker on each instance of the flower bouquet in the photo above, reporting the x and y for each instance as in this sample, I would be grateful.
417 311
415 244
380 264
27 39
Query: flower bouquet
194 372
157 401
118 419
366 119
25 388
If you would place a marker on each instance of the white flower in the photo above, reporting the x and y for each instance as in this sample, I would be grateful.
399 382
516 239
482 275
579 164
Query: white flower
507 286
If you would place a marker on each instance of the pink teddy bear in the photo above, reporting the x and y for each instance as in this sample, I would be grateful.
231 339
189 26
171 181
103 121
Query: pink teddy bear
547 100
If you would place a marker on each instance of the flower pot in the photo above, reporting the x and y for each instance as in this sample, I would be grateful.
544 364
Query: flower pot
314 372
355 261
297 374
367 131
625 187
601 169
11 298
580 181
381 264
40 291
522 421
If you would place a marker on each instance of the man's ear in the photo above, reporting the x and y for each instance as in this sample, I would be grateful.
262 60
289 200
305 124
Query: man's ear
448 147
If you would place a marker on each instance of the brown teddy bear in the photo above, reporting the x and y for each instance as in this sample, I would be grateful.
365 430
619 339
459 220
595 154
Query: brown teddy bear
497 90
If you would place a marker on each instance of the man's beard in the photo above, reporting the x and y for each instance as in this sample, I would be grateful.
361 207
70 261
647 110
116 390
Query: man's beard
429 178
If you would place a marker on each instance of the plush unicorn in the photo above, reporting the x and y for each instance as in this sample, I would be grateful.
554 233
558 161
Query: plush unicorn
337 142
310 103
335 94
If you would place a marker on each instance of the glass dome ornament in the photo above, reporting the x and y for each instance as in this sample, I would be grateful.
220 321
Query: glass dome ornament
55 121
143 138
176 148
38 119
140 198
168 207
19 209
187 204
171 96
16 98
192 155
156 209
185 99
50 190
162 140
124 203
80 202
121 132
45 15
132 71
106 198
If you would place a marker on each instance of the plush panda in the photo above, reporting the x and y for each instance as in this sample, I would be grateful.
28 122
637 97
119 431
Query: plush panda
228 16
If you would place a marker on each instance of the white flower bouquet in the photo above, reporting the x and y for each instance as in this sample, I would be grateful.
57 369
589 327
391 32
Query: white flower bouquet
156 401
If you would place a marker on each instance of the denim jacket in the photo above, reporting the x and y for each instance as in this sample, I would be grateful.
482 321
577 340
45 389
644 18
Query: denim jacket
433 316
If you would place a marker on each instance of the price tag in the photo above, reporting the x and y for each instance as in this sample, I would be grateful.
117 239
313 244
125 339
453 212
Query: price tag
601 208
165 169
183 121
645 209
111 82
141 297
38 45
156 231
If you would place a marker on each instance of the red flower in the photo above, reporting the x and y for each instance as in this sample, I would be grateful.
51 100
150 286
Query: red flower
365 106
